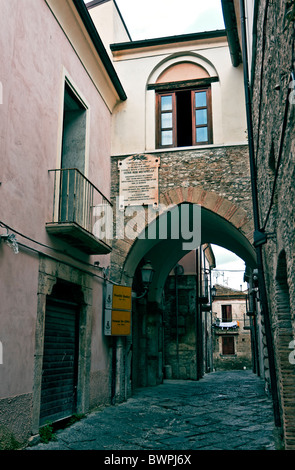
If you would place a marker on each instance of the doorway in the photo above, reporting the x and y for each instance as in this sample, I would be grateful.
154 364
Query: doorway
61 353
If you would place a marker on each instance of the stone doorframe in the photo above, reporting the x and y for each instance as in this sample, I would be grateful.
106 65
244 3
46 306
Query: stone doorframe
50 271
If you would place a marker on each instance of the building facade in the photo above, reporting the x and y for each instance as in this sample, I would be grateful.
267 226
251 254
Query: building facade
231 330
187 304
59 89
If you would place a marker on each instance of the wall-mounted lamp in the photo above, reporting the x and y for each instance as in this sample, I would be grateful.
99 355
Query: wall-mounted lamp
147 273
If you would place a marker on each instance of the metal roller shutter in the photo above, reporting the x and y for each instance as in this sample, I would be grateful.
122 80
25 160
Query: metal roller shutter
59 374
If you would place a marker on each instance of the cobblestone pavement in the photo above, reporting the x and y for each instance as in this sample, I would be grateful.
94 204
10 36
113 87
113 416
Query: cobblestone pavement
222 411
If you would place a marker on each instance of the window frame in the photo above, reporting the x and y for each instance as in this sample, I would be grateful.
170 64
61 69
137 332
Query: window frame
159 118
173 92
226 313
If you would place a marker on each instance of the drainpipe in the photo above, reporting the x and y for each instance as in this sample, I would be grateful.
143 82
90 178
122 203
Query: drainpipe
259 235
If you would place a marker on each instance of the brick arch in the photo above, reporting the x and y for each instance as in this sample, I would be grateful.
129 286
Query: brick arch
214 202
210 200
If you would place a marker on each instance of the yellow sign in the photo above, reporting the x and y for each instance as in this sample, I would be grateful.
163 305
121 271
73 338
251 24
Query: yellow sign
121 298
118 306
121 322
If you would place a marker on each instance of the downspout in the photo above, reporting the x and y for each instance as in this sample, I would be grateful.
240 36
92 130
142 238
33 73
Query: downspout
259 235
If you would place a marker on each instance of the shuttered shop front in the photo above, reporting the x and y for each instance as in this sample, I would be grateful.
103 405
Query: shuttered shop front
60 360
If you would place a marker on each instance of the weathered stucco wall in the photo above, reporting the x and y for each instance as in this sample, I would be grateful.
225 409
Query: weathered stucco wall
36 57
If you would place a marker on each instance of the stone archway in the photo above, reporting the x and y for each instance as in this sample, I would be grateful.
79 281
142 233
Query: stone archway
235 222
223 222
214 178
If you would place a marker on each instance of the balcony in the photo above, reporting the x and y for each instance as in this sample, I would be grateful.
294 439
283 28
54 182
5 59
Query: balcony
77 206
226 326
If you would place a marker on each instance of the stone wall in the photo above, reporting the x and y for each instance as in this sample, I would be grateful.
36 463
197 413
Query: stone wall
273 122
224 170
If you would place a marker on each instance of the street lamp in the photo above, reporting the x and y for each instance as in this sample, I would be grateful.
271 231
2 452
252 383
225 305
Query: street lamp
213 292
147 273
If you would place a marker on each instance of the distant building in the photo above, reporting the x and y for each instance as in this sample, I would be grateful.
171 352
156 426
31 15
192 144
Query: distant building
231 330
187 316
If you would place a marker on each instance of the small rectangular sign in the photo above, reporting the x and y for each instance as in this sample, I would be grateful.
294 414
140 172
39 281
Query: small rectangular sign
118 306
107 322
139 180
121 322
121 298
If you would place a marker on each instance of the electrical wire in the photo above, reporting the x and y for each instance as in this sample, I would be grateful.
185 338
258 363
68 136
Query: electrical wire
56 250
3 225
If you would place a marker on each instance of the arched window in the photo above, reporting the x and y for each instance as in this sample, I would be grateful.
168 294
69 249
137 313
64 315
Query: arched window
183 106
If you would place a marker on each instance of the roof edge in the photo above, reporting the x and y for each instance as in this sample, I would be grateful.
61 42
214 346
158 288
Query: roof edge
168 40
231 28
98 44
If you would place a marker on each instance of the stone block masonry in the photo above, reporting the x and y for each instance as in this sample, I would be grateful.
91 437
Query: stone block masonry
223 170
273 126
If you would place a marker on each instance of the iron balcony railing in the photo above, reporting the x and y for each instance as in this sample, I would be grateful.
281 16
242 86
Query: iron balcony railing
77 201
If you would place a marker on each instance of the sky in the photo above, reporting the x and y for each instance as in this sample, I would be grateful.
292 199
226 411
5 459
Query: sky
229 269
146 19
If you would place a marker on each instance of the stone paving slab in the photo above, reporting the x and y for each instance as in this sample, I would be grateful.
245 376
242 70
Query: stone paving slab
222 411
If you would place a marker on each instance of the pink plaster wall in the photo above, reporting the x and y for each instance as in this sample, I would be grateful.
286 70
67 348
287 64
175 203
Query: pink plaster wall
33 52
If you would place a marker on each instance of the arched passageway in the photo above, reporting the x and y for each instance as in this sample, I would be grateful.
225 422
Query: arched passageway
141 356
165 253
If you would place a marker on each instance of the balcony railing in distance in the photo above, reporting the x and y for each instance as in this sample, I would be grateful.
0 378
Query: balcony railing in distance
78 208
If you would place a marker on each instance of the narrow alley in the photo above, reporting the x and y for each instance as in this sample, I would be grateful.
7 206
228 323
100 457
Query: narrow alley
223 411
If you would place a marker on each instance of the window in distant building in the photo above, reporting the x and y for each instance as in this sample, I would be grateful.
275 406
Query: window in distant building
184 118
226 312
